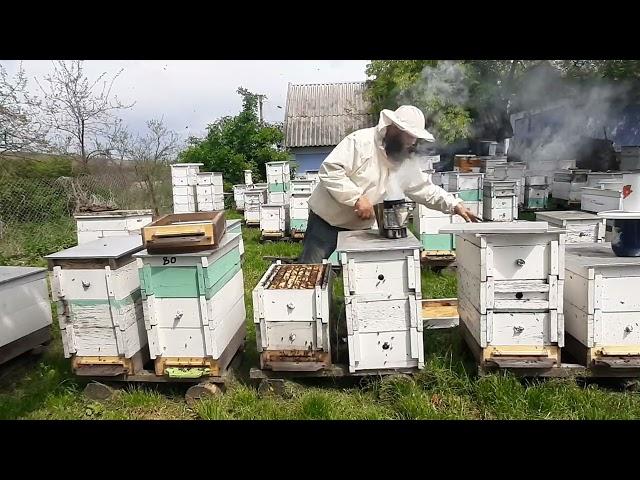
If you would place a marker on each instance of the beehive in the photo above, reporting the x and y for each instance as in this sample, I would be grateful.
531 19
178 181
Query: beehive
25 312
194 308
97 291
500 200
253 198
274 220
536 193
567 184
510 287
467 185
238 196
382 301
292 310
601 303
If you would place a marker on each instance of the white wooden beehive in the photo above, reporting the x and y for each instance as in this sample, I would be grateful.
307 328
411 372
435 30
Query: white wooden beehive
274 219
510 286
567 184
92 226
278 198
299 211
601 300
238 196
382 301
581 227
97 291
193 302
235 226
500 201
292 310
24 309
252 200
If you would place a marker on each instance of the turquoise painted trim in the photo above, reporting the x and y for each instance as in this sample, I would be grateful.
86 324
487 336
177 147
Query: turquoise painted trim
279 187
438 241
470 195
299 225
190 282
128 300
537 203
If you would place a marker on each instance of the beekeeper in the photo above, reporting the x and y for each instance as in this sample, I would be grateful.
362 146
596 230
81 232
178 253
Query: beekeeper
355 176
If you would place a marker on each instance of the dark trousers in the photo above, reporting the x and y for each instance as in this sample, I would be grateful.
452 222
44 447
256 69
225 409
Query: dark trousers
320 240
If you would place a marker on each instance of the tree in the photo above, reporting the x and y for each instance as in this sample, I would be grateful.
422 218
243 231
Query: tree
150 154
235 144
21 127
437 88
80 110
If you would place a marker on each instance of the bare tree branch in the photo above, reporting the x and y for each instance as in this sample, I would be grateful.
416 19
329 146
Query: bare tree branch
81 108
21 126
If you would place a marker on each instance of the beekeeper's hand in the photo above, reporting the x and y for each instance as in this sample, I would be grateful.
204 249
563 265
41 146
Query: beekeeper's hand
363 208
465 213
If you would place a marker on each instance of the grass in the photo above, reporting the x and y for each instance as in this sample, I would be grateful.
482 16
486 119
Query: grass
43 387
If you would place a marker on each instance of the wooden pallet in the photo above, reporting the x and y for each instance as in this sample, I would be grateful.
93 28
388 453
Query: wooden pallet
294 361
614 357
108 366
568 366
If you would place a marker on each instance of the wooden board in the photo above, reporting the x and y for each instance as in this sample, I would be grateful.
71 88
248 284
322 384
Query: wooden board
440 313
500 227
187 231
103 248
372 241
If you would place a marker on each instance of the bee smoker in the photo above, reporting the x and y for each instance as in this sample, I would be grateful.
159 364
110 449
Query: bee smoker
392 217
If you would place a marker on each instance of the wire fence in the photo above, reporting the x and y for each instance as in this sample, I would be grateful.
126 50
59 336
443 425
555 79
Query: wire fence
42 200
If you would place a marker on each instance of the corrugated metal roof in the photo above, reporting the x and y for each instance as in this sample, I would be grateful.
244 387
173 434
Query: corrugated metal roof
323 114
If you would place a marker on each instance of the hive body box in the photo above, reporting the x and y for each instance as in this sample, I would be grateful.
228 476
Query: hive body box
299 213
274 220
184 182
97 290
291 310
510 289
602 300
92 226
253 199
500 200
193 306
581 227
382 301
25 312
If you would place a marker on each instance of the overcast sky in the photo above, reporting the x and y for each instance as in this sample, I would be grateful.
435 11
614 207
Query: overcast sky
192 93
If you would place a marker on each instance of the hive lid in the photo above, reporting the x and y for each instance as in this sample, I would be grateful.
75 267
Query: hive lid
566 215
112 213
371 240
107 247
585 255
497 227
7 274
619 215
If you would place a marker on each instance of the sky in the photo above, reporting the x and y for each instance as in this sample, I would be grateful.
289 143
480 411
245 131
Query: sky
189 94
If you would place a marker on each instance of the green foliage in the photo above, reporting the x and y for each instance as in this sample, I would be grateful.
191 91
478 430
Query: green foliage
51 167
235 144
